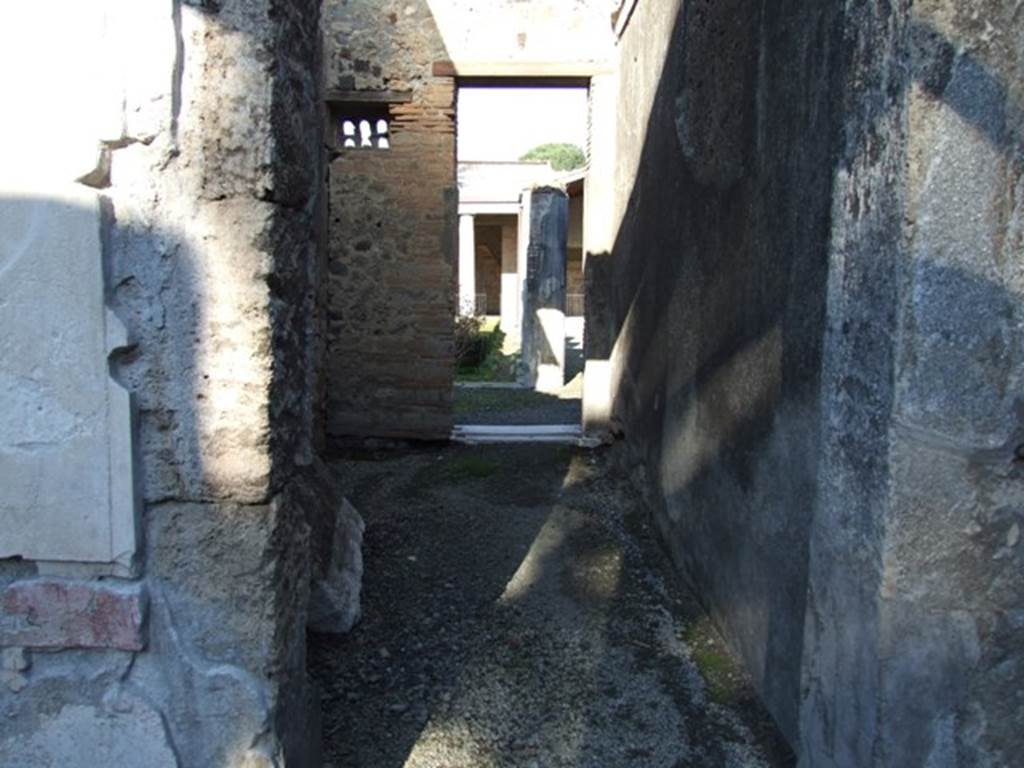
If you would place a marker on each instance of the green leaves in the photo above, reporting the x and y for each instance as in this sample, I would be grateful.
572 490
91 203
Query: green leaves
563 157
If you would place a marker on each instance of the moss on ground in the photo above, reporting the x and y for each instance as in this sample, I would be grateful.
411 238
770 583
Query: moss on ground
469 468
718 668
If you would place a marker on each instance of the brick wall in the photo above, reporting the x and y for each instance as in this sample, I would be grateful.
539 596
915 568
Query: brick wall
391 299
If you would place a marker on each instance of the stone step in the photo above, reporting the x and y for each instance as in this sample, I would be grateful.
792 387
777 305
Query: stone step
567 434
489 385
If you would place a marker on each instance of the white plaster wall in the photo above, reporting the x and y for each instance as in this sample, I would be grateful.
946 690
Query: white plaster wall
65 425
511 32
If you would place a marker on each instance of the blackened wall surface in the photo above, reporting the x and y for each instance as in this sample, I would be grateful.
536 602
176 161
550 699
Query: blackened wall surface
717 301
813 316
916 578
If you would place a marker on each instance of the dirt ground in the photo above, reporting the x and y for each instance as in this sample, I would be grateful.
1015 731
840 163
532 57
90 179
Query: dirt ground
515 406
518 612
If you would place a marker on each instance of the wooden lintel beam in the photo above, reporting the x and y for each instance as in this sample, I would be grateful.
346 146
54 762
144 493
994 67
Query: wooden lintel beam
369 97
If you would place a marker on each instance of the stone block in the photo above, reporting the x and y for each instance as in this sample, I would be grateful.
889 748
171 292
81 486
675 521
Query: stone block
51 613
336 540
334 604
65 425
205 562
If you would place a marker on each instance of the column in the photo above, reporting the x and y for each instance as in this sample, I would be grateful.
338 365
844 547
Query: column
522 244
543 355
467 266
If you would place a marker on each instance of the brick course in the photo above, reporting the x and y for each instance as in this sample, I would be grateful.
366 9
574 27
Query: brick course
391 293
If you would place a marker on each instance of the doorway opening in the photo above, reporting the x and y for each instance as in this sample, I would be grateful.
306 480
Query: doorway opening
522 161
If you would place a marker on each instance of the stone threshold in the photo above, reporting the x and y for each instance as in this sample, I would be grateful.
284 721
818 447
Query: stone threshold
565 434
490 385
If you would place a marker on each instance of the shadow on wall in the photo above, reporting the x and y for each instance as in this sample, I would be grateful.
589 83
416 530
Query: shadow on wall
209 263
712 309
944 240
204 523
935 56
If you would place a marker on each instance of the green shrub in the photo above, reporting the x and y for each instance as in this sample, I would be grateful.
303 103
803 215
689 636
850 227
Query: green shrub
471 343
563 157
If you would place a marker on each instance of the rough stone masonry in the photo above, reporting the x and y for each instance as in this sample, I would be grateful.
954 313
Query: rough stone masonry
392 225
173 158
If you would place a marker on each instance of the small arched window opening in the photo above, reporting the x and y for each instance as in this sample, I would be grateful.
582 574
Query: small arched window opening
361 126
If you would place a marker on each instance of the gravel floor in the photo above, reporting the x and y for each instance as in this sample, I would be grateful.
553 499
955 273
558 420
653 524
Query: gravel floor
517 612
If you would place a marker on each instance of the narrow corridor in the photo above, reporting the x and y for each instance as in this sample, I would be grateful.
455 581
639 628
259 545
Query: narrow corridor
512 617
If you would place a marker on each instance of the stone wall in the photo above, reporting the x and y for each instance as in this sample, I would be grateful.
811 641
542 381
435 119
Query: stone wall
392 231
813 325
392 228
717 292
916 534
203 132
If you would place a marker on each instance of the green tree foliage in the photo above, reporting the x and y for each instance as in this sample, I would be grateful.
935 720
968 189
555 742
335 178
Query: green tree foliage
563 157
